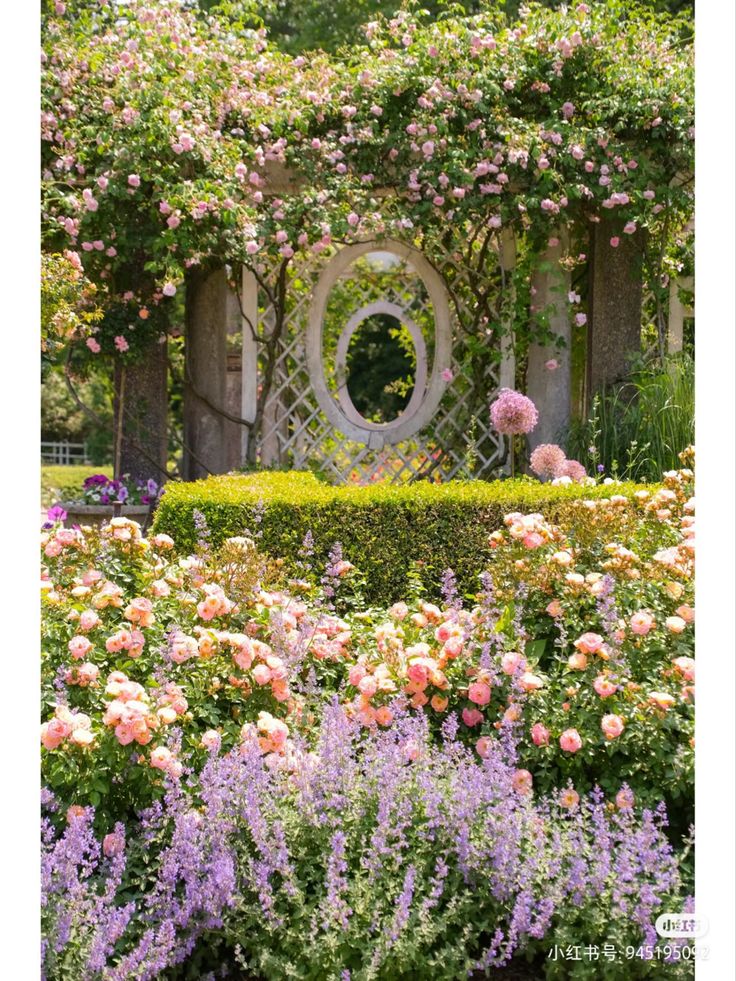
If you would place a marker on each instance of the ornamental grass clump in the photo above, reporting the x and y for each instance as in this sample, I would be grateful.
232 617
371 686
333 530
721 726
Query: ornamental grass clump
391 856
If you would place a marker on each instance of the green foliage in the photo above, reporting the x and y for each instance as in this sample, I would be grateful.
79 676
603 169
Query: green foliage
385 530
63 419
65 483
303 25
67 303
638 430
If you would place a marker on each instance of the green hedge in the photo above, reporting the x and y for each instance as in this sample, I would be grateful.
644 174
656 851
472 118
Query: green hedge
383 529
65 483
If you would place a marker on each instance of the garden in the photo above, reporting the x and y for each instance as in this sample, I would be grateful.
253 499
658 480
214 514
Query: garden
368 616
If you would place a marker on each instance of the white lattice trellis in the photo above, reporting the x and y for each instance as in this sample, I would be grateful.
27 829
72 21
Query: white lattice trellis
455 439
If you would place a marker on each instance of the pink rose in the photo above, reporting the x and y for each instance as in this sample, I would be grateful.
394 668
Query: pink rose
522 782
604 686
472 717
641 623
612 726
134 180
589 643
479 693
570 741
483 747
540 734
510 662
79 647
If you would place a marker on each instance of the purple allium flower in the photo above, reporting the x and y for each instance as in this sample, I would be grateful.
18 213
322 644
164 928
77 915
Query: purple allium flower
548 460
513 413
574 470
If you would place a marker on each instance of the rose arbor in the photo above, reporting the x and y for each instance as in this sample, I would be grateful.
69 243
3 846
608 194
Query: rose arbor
495 198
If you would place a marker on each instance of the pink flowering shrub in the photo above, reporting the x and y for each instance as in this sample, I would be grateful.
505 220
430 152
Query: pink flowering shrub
223 698
581 642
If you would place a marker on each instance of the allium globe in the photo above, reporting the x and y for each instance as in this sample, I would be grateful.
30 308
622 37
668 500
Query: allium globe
574 470
513 413
547 460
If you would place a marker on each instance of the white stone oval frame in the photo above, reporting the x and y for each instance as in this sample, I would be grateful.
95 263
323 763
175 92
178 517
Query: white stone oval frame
341 353
407 424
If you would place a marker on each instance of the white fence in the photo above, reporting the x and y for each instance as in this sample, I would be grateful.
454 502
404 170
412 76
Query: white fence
63 454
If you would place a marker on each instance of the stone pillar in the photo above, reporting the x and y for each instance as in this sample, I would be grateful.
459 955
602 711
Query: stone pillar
206 371
677 314
233 431
507 259
550 389
614 304
140 441
249 363
507 369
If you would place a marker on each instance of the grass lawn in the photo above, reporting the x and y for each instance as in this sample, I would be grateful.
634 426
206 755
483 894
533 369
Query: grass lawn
65 483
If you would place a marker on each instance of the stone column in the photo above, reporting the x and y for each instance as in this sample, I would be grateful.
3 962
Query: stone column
507 259
140 441
614 304
550 389
206 372
507 369
233 431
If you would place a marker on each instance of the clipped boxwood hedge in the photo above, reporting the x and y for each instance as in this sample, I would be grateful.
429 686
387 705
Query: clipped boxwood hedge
383 529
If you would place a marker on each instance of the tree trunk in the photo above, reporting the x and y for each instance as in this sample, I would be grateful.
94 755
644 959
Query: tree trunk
140 443
614 305
206 373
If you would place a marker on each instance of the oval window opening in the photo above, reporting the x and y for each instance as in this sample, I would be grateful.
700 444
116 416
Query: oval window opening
380 368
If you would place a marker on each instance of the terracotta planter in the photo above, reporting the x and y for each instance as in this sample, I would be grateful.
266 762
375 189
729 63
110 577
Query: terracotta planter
97 514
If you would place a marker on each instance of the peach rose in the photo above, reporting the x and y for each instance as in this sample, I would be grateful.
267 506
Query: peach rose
384 715
161 758
531 682
483 747
661 699
624 799
577 661
641 623
399 611
675 625
686 612
686 667
522 782
569 798
589 643
554 608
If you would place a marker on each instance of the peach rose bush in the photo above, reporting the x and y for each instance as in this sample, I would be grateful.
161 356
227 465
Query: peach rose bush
255 774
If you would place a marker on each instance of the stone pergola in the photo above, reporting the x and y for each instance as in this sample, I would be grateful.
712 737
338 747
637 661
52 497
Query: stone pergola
228 423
